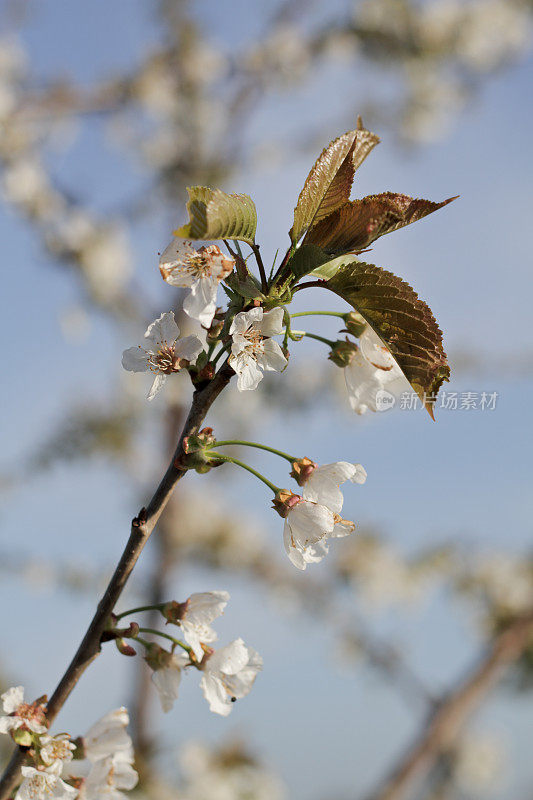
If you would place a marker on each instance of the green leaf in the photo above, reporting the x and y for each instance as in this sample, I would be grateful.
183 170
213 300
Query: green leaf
248 288
329 183
306 258
22 737
356 224
213 214
328 270
403 321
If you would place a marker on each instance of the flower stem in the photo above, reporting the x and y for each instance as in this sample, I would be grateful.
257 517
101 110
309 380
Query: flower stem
138 609
220 352
341 314
314 336
165 636
257 474
261 266
319 284
255 444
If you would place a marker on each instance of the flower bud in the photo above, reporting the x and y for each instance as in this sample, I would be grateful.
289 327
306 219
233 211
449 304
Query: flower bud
207 373
22 737
125 648
302 469
216 327
198 441
342 353
355 323
156 657
174 612
284 500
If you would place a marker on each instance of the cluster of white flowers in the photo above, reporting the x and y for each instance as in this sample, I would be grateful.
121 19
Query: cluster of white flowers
252 347
225 774
381 576
314 516
284 57
104 769
228 673
506 583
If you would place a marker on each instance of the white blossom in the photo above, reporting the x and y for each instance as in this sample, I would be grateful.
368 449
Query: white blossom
108 736
253 349
200 610
39 785
108 776
372 370
479 762
167 678
56 751
162 352
229 674
322 485
227 773
308 525
20 714
199 270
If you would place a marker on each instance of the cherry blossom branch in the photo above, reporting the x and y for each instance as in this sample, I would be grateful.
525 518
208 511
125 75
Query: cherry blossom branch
141 528
453 712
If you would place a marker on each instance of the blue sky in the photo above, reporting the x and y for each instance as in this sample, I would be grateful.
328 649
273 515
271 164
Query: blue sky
467 476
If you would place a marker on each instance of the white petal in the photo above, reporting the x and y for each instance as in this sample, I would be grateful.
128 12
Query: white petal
229 659
374 350
39 785
343 528
272 322
245 319
240 684
157 385
135 359
12 699
195 635
178 252
189 348
322 489
204 607
360 474
363 381
322 486
108 776
249 374
108 735
215 694
167 681
309 522
200 303
163 329
294 554
9 723
301 556
272 357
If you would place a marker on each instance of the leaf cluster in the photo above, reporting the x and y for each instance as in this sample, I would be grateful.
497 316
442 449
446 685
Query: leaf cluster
328 233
